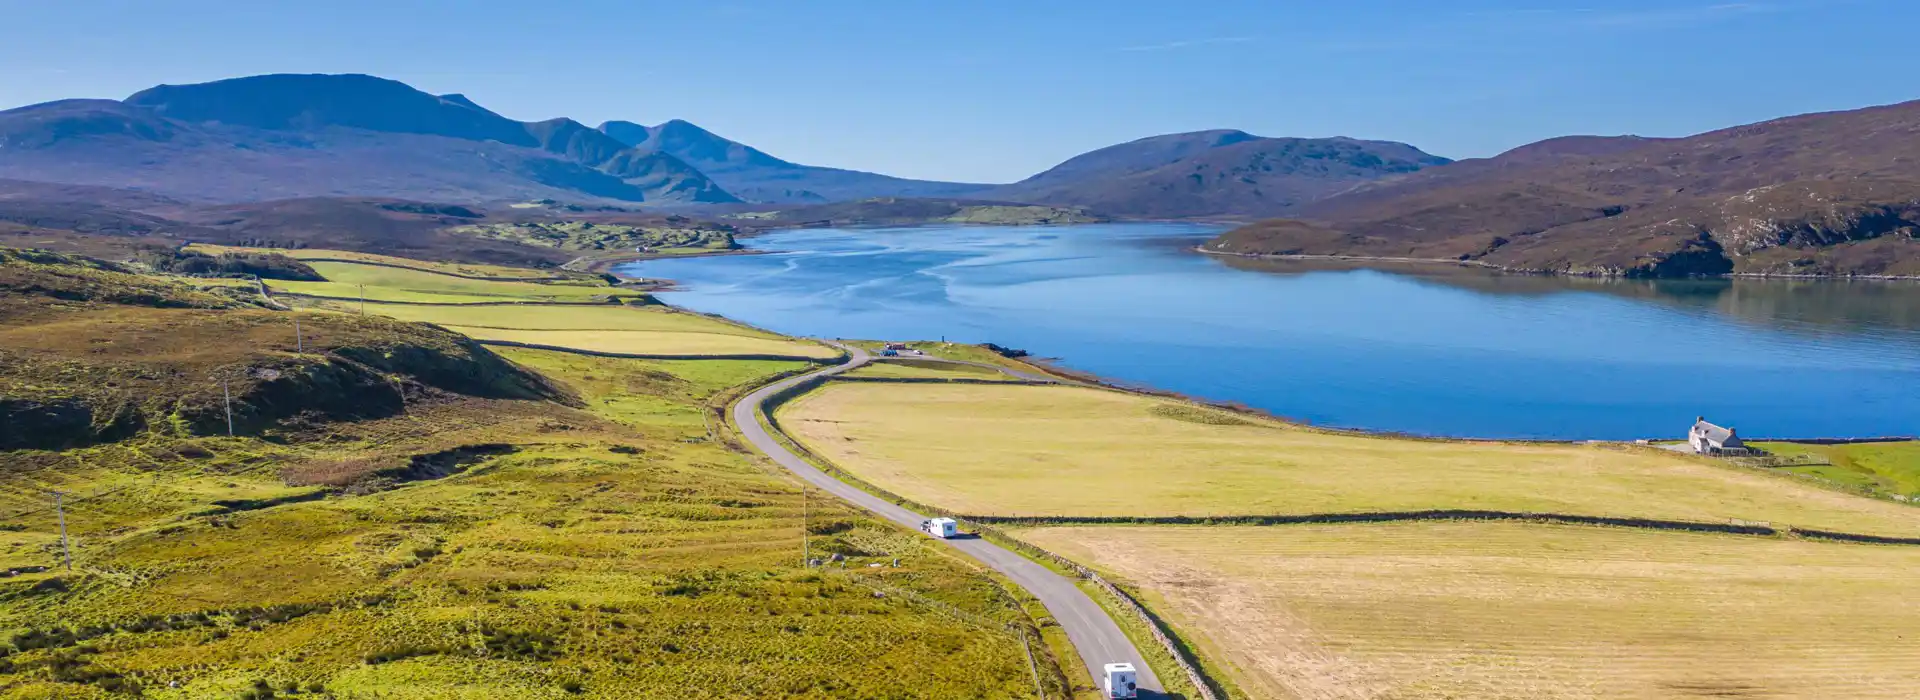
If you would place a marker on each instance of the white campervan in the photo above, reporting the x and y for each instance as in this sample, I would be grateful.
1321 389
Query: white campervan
1121 681
943 528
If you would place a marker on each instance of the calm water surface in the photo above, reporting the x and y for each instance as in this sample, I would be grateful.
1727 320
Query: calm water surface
1424 350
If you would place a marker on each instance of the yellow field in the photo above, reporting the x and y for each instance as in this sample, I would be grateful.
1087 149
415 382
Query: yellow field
910 369
1004 450
468 269
1512 610
651 342
346 280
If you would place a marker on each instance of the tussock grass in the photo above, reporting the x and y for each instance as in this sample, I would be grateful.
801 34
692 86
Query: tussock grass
1006 450
474 544
1509 610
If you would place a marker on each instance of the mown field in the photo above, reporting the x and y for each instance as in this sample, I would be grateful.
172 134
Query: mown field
923 369
1523 611
381 283
406 515
454 268
634 330
1074 451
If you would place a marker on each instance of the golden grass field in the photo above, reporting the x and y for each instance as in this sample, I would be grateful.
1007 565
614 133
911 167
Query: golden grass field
1055 450
346 281
467 269
1524 611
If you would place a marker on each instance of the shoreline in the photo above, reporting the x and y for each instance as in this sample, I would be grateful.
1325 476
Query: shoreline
1363 259
1058 367
604 264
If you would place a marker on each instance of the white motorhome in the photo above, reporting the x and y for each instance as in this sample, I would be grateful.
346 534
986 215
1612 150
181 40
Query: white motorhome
943 528
1121 681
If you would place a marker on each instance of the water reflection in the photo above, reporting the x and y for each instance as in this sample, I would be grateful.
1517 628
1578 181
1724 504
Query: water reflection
1889 308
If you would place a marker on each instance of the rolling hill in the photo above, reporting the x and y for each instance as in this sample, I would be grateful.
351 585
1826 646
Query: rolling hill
1219 173
1820 194
287 136
755 176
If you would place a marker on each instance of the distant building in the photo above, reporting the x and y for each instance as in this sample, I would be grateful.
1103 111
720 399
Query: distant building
1709 439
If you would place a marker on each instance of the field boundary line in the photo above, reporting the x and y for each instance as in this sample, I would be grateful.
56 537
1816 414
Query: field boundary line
1439 514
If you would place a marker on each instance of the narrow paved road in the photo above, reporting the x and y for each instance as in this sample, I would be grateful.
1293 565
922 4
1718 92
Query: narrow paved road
1093 634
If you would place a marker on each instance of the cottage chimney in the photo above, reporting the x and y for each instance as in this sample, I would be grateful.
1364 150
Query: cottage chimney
1699 419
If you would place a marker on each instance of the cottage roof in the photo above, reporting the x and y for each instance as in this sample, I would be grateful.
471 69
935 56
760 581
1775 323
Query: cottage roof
1711 431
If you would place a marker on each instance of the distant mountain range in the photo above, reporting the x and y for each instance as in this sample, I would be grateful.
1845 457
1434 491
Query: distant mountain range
755 176
289 136
1820 194
280 136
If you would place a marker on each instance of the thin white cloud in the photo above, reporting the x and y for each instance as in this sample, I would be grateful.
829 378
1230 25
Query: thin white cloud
1191 43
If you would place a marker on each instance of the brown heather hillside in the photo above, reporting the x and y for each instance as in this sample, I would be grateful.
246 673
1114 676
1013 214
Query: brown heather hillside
90 352
1828 194
1215 173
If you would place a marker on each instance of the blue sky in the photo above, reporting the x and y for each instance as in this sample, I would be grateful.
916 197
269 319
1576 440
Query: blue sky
994 90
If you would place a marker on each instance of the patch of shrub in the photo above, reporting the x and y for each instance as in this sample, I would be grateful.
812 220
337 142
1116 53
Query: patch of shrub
268 265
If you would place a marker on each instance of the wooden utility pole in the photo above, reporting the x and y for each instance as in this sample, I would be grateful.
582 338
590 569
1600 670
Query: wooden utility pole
299 344
363 300
66 551
227 397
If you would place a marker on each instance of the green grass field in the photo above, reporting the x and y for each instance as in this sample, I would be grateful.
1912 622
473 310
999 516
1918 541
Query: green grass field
635 330
346 280
653 342
917 369
1523 611
1880 467
1073 451
599 317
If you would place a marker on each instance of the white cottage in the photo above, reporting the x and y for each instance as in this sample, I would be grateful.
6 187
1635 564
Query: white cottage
1709 439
